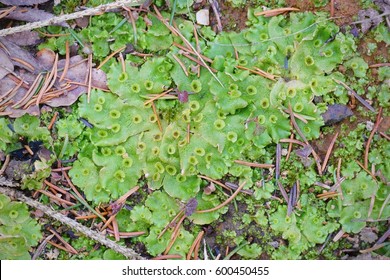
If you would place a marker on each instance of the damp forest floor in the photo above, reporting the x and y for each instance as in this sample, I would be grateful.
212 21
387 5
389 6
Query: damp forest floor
315 187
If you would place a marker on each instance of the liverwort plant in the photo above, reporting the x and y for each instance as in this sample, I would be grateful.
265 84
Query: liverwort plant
143 129
18 232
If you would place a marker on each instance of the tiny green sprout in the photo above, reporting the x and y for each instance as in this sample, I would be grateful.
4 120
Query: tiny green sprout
127 162
198 118
273 118
232 136
171 149
309 61
152 118
135 88
271 50
251 90
102 133
116 128
194 106
196 86
221 115
155 151
317 43
264 103
120 176
101 100
200 152
291 92
193 160
115 114
98 107
137 119
298 107
242 61
148 84
120 150
219 124
106 151
263 36
233 87
123 77
157 137
171 170
141 146
159 166
235 93
176 134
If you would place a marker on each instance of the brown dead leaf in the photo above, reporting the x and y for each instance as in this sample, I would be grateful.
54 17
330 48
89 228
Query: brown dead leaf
31 15
6 65
368 235
77 72
99 78
21 57
24 38
46 57
18 98
82 22
22 2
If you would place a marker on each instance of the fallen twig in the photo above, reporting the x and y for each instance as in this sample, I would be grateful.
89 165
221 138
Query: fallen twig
181 64
175 234
354 94
275 12
298 130
254 164
214 6
379 65
53 120
328 152
127 252
258 71
167 257
177 33
5 164
41 246
194 245
63 241
223 203
331 8
277 160
375 128
66 17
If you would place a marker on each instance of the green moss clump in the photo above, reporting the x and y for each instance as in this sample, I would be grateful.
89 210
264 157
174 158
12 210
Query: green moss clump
18 232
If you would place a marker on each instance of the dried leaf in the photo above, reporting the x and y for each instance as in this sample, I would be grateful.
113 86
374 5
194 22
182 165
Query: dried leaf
209 189
24 38
336 113
31 15
383 5
370 18
99 78
6 65
277 161
18 54
182 96
368 235
77 74
82 22
22 2
292 199
46 57
190 207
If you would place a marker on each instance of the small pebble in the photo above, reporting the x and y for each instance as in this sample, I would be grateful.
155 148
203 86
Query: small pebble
203 17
